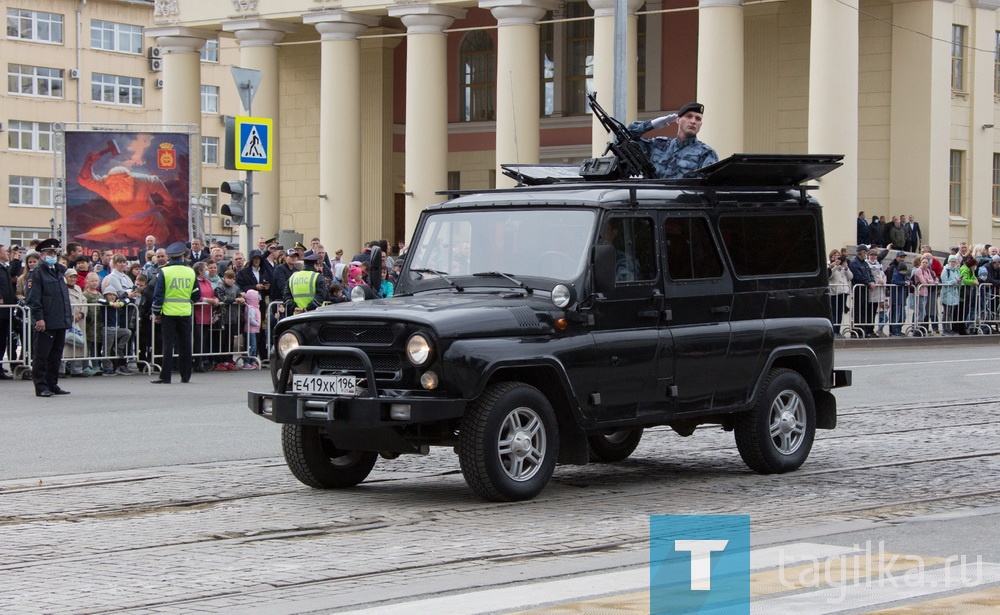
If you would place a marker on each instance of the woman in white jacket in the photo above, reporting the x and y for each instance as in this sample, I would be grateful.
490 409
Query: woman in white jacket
840 288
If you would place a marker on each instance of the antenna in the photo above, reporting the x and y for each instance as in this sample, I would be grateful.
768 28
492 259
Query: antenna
513 115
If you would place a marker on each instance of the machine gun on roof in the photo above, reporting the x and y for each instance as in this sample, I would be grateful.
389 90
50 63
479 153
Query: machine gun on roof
627 159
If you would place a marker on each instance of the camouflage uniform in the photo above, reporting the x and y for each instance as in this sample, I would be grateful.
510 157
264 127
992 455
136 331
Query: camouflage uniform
671 157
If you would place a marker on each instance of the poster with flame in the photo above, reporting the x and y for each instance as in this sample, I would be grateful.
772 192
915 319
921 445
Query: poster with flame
124 186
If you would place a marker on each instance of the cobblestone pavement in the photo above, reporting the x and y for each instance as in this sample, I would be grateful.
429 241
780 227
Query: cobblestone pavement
246 537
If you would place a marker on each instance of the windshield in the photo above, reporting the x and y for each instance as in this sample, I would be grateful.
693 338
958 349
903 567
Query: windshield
522 242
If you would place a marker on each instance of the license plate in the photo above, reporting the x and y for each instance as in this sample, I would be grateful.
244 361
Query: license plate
324 385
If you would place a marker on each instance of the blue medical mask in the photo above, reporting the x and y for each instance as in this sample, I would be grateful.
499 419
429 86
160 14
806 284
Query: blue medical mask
51 260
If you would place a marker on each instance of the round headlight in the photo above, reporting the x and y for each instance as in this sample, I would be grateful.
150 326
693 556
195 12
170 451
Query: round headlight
561 296
418 349
358 293
286 343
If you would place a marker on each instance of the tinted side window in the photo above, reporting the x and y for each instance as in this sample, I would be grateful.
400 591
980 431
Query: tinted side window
691 253
635 248
780 244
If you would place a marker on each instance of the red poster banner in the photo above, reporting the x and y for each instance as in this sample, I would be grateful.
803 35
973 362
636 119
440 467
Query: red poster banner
124 186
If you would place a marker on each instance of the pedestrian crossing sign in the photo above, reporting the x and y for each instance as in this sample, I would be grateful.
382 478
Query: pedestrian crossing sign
254 143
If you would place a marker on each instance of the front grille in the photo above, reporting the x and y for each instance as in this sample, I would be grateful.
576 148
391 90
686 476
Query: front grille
382 364
358 334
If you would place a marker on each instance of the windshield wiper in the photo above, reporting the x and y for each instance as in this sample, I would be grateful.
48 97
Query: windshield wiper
507 276
441 274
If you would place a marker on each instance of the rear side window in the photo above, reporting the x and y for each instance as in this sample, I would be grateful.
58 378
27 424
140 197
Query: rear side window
691 253
763 245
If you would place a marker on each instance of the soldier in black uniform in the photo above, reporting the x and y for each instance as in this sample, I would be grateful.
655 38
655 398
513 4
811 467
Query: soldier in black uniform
47 296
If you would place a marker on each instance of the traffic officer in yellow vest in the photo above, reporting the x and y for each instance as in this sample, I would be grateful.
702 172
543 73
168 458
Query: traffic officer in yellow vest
308 288
175 292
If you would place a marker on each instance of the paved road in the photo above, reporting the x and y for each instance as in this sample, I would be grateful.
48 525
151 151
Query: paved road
165 526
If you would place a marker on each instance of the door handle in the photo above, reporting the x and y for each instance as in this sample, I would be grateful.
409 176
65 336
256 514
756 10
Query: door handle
720 309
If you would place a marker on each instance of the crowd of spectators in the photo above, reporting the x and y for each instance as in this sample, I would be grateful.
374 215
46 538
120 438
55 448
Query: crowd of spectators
893 292
112 297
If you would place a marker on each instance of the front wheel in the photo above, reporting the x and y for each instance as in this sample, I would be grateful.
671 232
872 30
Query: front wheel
314 460
776 435
614 445
509 443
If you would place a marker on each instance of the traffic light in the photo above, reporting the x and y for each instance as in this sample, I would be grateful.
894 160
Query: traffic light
237 208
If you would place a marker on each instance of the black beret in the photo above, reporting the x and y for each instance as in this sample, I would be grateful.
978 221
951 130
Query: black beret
691 106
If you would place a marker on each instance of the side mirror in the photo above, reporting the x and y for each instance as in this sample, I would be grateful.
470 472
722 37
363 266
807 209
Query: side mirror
604 266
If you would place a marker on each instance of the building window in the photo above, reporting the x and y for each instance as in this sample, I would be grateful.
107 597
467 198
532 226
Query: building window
996 65
34 26
958 58
211 196
29 136
24 236
547 48
111 36
209 99
996 185
31 191
477 78
210 52
579 57
955 182
116 90
210 150
34 81
454 181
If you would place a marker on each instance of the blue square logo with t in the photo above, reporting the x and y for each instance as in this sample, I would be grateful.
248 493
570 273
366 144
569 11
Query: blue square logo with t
699 564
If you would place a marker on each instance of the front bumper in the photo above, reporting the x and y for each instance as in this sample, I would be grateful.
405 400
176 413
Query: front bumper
370 412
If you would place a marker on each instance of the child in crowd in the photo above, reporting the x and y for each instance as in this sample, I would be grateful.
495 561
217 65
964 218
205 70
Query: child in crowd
252 328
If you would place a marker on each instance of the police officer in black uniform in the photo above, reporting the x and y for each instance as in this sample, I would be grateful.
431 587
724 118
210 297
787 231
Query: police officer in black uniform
47 296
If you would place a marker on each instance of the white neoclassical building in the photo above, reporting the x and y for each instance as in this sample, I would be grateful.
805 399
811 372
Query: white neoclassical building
377 106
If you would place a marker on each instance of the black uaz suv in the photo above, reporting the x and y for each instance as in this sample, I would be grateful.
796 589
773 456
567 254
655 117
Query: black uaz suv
553 323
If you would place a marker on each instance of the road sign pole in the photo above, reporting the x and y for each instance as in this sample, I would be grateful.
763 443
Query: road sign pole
249 216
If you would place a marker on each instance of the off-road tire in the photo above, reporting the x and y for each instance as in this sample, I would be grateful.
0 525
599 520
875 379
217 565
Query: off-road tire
776 435
615 445
314 460
524 416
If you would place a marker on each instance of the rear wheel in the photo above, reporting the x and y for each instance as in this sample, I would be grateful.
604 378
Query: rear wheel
314 460
776 435
614 445
509 442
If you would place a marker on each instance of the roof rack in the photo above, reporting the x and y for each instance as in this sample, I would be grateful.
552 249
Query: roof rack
739 170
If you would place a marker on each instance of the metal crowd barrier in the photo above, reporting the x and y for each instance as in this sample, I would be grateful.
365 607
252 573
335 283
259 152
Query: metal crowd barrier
16 323
221 339
94 342
929 309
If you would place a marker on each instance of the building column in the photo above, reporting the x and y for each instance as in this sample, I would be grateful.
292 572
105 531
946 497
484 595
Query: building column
605 69
720 74
378 194
920 118
340 125
518 81
426 104
983 32
833 111
257 38
181 73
